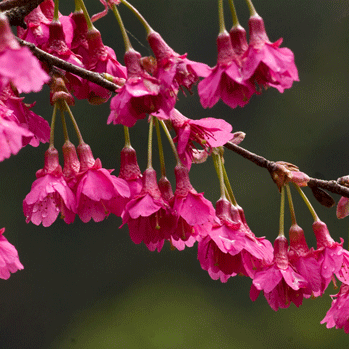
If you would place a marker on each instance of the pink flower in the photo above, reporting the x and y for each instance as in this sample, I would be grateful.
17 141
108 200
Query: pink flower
280 283
208 132
79 43
97 191
329 253
225 80
137 97
195 214
266 63
229 248
50 194
338 314
101 59
148 216
12 135
174 70
17 64
343 207
304 261
9 260
38 126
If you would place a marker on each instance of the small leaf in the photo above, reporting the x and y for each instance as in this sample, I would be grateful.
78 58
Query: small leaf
323 197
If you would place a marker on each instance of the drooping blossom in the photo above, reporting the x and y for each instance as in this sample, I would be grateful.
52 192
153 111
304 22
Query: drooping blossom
225 80
329 253
173 70
265 63
97 191
26 118
194 213
17 64
9 260
338 314
79 43
101 59
49 194
279 282
148 216
229 248
303 260
139 95
12 135
208 133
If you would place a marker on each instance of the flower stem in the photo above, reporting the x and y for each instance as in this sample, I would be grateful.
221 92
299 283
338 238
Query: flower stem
56 12
125 37
221 17
233 13
53 122
282 212
228 186
307 202
253 11
76 127
178 160
64 125
139 16
81 3
161 149
127 137
290 204
150 142
217 161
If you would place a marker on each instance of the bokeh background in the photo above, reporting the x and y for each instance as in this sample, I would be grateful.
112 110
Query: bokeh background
88 286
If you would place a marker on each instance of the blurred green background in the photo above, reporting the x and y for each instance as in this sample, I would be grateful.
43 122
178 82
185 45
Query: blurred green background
89 286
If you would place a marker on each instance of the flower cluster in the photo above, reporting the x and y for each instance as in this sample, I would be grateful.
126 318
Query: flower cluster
148 87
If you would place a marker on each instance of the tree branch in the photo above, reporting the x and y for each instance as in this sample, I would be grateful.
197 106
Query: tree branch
332 185
16 10
71 68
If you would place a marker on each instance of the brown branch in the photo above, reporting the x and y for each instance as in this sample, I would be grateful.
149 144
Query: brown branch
332 186
71 68
16 10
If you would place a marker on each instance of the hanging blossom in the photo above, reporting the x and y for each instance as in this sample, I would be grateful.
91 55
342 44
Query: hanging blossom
230 248
265 63
280 283
338 314
148 216
9 260
173 70
209 133
194 214
225 80
17 64
25 118
98 193
50 194
139 95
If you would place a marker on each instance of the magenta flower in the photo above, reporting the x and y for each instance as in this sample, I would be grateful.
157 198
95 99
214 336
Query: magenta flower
17 64
50 194
329 253
148 216
38 126
12 135
280 283
225 80
137 97
208 132
266 63
174 70
9 260
338 314
102 59
97 191
304 261
194 213
79 43
229 248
